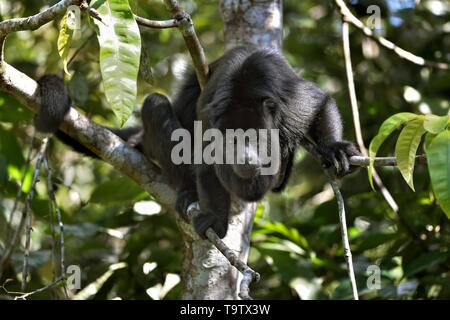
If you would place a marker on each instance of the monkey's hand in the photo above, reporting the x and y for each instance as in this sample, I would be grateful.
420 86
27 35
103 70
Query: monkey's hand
337 155
205 220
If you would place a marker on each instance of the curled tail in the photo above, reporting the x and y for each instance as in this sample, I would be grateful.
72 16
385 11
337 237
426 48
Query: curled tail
55 104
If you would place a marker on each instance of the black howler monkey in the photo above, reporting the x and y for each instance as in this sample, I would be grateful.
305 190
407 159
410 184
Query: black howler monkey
246 88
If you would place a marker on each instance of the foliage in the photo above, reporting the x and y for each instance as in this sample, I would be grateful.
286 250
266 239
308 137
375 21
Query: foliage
437 149
296 240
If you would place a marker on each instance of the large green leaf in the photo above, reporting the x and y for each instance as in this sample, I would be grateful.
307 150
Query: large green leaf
64 40
388 126
406 148
120 51
438 157
435 124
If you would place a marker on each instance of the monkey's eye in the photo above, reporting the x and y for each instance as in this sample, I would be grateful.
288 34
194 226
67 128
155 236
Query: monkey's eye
269 104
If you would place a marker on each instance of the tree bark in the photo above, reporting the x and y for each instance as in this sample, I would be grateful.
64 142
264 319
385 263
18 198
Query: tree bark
206 273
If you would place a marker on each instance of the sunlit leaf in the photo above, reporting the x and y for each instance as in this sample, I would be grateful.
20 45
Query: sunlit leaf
406 148
435 124
120 51
388 126
438 157
64 41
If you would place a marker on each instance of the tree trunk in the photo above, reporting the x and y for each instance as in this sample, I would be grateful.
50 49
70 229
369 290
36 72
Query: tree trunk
206 273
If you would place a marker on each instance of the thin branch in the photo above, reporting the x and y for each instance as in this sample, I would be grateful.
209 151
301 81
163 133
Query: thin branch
382 161
19 192
348 16
355 112
173 23
25 212
249 275
195 49
23 296
85 42
51 194
36 21
345 242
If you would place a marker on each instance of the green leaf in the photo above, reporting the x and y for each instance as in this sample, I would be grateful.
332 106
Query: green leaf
424 261
388 126
64 41
117 190
438 157
428 138
120 51
406 148
435 124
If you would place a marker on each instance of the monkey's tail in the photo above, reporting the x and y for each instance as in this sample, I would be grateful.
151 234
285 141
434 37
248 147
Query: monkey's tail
55 104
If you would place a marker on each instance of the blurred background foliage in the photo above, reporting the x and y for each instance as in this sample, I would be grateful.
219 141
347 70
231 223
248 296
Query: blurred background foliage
296 240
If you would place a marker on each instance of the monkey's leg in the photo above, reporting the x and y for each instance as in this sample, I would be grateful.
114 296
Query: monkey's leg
159 122
214 203
326 132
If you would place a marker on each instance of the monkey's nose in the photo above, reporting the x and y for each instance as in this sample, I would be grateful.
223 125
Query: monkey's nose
248 164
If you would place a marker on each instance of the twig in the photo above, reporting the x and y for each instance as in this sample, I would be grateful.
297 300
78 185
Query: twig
36 21
51 194
23 296
53 235
85 42
382 161
348 16
84 6
249 275
27 216
19 191
195 49
173 23
355 112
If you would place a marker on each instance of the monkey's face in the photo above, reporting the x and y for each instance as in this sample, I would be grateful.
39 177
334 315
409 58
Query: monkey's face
248 126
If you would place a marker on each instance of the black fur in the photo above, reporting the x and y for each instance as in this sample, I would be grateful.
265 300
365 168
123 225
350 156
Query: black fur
246 88
55 103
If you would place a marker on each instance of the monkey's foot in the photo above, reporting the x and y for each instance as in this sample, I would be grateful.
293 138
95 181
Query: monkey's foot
184 199
206 220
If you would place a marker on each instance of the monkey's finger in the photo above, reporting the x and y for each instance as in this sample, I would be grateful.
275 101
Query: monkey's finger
345 164
337 165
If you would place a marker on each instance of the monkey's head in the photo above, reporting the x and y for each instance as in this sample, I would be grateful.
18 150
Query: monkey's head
247 110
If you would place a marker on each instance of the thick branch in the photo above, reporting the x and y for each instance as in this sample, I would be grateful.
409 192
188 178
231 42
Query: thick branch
348 16
101 141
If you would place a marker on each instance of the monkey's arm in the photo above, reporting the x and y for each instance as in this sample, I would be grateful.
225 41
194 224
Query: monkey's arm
326 132
214 203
